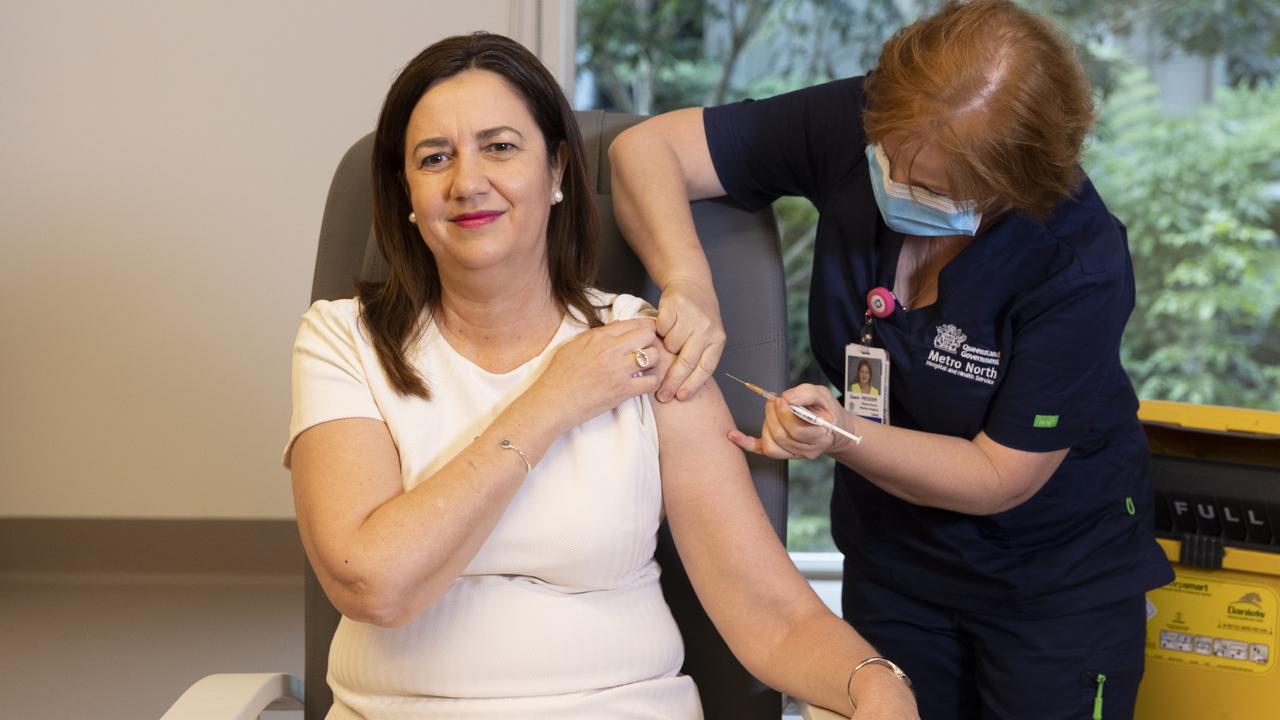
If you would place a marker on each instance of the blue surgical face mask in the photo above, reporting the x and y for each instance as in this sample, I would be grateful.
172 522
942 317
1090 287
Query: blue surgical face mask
916 211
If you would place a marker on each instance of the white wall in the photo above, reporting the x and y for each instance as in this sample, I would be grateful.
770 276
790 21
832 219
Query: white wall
163 168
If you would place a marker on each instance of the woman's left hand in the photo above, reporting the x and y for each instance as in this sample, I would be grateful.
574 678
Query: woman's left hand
787 437
691 330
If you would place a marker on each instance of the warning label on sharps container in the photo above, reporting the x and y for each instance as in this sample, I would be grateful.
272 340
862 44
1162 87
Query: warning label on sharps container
1215 624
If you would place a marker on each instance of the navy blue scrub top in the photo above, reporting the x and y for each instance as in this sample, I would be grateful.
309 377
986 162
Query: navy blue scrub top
1052 300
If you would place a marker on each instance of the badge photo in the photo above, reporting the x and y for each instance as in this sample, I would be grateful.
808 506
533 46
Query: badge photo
866 382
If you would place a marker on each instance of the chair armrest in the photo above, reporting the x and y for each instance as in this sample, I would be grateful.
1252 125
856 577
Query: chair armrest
237 696
813 712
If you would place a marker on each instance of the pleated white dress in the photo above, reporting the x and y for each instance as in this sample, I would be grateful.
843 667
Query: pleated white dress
560 614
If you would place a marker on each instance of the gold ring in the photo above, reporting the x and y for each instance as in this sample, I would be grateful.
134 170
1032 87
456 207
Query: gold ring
642 358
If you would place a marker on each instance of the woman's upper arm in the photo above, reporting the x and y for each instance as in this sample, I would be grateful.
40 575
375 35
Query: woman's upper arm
682 133
343 470
738 566
343 460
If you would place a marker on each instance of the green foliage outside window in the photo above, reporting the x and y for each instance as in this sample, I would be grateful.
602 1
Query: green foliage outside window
1199 195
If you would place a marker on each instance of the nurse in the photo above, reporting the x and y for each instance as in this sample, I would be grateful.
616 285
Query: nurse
996 522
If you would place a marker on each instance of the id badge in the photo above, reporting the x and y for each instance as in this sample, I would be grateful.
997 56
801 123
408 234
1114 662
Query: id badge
866 382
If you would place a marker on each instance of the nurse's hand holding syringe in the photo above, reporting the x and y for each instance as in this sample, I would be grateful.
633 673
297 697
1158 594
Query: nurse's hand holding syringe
801 412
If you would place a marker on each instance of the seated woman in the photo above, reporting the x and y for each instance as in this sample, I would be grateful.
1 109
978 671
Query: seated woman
476 460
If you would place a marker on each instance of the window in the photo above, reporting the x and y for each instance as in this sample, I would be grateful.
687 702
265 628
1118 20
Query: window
1186 152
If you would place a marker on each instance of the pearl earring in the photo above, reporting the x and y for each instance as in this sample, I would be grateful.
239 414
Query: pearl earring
556 197
413 218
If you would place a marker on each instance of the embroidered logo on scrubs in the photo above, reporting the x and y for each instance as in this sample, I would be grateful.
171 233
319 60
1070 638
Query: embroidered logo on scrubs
1045 421
975 363
949 338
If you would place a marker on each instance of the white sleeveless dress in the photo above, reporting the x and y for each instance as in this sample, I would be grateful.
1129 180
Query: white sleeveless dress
560 614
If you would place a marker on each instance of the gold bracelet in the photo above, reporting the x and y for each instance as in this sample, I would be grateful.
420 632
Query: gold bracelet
506 444
887 663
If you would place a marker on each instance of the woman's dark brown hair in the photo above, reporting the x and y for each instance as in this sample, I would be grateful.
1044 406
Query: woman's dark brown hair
393 311
999 90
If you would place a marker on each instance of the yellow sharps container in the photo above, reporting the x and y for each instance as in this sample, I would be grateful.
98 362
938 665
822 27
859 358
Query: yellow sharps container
1214 632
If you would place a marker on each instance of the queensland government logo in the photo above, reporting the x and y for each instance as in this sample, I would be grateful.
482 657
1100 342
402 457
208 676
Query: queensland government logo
949 338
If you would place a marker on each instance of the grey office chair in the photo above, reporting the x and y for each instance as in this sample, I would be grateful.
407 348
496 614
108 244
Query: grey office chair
743 251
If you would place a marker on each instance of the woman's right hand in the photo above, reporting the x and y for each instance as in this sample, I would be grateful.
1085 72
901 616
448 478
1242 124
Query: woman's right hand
786 437
599 369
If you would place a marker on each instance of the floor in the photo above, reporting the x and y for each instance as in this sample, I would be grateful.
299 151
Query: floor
125 648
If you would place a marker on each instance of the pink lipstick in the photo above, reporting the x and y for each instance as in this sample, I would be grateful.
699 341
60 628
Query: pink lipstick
473 220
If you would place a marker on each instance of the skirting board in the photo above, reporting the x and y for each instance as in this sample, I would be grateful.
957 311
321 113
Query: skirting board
143 547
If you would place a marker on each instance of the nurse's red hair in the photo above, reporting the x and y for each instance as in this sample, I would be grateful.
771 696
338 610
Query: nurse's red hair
999 90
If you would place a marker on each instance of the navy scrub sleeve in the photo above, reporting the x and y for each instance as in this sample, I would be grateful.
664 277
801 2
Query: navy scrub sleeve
1061 376
766 149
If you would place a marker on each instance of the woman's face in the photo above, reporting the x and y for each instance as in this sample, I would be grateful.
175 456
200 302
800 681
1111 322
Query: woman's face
478 176
864 375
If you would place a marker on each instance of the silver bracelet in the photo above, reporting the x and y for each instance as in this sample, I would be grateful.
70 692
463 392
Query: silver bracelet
887 663
506 444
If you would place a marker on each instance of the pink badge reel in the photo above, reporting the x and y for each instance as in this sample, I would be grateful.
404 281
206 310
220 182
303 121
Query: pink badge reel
881 303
